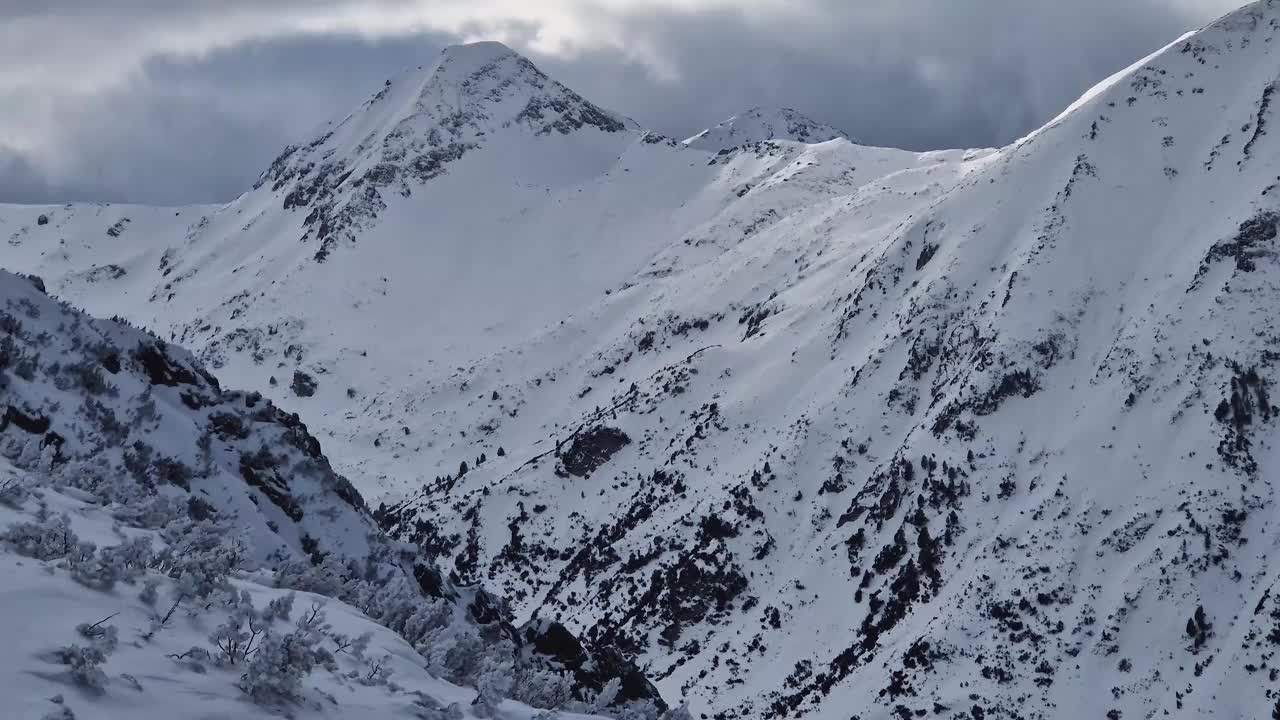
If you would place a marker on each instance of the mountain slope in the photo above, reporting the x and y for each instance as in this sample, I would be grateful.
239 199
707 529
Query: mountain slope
762 124
131 435
807 427
460 274
124 416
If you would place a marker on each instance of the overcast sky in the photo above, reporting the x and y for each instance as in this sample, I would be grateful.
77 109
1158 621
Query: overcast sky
173 101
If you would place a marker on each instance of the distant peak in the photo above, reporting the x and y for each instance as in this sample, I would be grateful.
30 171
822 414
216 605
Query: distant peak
458 63
478 53
761 123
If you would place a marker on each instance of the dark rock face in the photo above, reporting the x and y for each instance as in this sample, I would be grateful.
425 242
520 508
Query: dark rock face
38 282
303 385
1250 242
545 643
592 448
28 422
163 370
590 668
259 471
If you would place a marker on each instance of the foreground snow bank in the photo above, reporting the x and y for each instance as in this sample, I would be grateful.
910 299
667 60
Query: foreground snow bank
72 650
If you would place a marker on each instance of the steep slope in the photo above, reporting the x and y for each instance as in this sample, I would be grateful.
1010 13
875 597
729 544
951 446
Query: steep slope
126 417
804 427
137 435
760 124
986 453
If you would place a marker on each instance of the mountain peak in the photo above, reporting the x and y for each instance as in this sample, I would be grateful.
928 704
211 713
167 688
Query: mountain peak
417 126
480 52
759 124
457 64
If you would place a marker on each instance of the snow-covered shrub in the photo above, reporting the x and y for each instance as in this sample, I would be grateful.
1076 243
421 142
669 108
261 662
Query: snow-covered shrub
322 579
155 511
541 688
151 469
104 637
634 710
87 374
95 475
456 652
49 538
493 684
199 556
355 647
237 638
597 702
84 664
279 608
13 492
125 562
378 673
149 593
280 662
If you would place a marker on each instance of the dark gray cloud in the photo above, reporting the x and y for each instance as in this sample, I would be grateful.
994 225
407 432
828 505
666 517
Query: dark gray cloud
173 102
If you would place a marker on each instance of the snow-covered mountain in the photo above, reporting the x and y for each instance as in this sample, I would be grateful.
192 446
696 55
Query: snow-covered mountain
809 429
111 434
761 124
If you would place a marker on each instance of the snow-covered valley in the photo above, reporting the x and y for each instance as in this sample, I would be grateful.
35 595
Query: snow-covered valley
808 428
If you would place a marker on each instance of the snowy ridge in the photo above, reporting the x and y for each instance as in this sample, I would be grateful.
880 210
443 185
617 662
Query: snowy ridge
97 400
761 124
803 427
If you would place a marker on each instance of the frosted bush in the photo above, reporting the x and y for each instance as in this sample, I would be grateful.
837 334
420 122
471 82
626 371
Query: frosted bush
279 608
280 663
323 579
104 637
378 673
237 638
541 688
13 492
149 593
635 710
103 568
199 557
355 647
49 538
493 684
155 511
454 652
84 666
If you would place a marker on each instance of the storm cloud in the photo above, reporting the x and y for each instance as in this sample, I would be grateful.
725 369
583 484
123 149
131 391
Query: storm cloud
176 101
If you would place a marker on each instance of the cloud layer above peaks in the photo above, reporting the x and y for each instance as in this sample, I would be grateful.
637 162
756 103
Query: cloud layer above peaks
177 101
